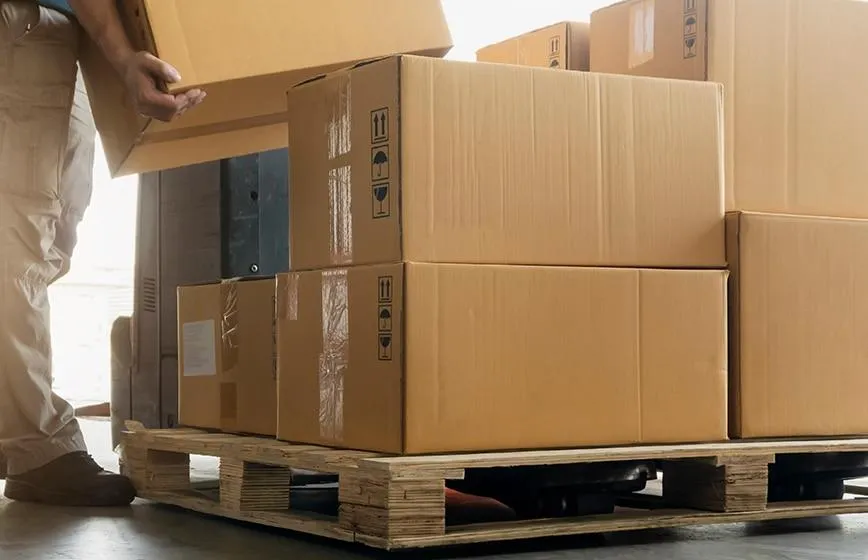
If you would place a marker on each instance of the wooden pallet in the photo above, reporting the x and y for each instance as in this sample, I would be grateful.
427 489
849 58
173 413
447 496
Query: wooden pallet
399 502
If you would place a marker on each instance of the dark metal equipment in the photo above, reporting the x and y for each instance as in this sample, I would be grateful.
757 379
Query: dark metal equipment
196 224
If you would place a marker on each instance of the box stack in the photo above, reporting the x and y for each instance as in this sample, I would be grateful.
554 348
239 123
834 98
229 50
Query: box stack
226 329
493 257
796 135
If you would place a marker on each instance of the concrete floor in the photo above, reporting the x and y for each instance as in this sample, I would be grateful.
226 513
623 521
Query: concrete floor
149 532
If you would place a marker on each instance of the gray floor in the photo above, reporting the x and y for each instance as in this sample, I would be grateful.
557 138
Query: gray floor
149 532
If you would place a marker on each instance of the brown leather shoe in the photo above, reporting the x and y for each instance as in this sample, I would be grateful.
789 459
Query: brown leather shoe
72 480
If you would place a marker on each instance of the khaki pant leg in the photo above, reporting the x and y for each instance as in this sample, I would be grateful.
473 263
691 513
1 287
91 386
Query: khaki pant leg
38 52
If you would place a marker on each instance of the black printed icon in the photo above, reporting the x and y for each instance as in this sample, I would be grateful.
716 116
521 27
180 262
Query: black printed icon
555 63
690 25
555 46
690 44
380 163
384 318
385 286
689 5
385 347
380 126
381 201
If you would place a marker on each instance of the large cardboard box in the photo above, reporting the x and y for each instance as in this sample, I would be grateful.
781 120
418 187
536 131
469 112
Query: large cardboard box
429 160
798 318
796 119
245 55
431 358
226 355
563 45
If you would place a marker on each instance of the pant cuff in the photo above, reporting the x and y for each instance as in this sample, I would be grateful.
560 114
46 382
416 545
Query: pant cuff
25 456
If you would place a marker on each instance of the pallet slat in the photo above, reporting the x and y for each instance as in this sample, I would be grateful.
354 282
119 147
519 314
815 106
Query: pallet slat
399 502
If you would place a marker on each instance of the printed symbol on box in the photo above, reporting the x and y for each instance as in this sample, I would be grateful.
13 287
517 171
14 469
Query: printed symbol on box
690 25
380 163
385 295
385 318
554 63
385 347
690 44
380 126
554 46
689 6
381 200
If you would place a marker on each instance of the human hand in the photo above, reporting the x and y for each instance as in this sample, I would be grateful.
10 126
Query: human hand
142 73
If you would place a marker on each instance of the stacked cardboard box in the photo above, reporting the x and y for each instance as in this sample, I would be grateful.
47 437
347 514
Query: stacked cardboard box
796 135
246 60
455 228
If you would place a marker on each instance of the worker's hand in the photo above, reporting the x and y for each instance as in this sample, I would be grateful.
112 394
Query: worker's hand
142 73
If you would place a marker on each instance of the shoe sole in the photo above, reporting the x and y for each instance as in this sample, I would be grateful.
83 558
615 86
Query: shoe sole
23 492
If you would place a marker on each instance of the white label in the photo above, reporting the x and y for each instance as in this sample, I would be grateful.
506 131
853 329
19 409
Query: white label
200 349
641 32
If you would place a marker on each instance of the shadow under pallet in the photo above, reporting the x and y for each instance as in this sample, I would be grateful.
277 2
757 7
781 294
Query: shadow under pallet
394 503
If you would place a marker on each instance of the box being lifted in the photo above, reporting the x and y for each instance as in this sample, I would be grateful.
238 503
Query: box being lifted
245 55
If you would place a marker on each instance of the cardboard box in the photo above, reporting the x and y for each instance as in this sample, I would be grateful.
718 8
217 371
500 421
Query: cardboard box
798 309
430 358
796 120
564 45
227 358
245 55
432 160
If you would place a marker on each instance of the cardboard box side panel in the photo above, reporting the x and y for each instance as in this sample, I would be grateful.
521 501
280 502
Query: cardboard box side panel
733 257
339 382
200 356
300 346
803 328
659 38
510 334
580 46
548 144
254 376
373 401
683 351
365 28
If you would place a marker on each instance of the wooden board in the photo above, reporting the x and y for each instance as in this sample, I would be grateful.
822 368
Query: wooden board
399 502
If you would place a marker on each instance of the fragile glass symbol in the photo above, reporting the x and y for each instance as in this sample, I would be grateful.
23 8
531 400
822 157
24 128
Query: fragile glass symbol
385 344
380 194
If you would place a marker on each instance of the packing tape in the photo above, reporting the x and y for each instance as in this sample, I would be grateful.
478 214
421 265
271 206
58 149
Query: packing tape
229 325
334 360
340 184
287 296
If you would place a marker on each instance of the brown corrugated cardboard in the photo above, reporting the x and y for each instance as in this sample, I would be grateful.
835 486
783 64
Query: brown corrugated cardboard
562 45
419 358
430 160
227 370
796 123
798 309
245 55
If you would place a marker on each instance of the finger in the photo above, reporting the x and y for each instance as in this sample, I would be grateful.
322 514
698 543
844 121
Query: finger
161 70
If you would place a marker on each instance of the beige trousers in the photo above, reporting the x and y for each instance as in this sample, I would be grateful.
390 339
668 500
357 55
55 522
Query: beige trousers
46 166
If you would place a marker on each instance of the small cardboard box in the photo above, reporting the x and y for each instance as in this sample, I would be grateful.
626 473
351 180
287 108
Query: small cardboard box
245 55
563 46
429 160
796 118
434 358
798 319
227 359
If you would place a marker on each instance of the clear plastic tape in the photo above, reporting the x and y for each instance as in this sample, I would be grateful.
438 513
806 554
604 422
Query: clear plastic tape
341 216
229 324
340 131
334 360
285 309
